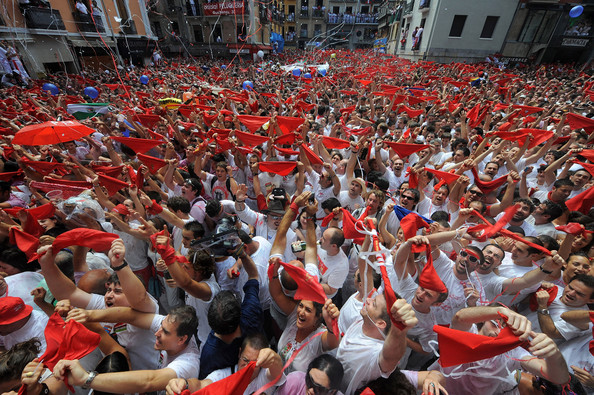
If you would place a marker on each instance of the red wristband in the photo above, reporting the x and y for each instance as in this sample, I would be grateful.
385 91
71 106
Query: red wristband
167 253
294 207
155 209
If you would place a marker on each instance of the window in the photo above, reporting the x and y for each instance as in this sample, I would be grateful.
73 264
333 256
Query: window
458 25
198 36
489 26
157 29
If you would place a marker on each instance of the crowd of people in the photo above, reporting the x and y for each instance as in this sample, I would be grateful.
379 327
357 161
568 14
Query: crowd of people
379 226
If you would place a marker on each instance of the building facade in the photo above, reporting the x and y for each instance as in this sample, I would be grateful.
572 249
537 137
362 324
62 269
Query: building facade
71 35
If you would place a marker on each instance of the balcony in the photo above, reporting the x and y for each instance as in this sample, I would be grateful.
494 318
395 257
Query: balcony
291 17
129 27
424 4
304 12
43 18
193 9
317 13
350 19
303 34
85 24
408 8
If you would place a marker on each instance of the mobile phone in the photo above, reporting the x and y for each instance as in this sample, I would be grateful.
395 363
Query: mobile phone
167 275
312 199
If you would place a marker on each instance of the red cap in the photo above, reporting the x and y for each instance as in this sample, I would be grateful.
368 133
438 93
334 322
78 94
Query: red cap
121 209
13 309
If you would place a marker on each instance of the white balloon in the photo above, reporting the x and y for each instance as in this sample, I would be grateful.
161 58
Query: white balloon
261 54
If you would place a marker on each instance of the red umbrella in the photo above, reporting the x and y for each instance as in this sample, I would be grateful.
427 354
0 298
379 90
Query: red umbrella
52 132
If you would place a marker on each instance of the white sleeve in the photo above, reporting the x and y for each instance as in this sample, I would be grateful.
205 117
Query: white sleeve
248 215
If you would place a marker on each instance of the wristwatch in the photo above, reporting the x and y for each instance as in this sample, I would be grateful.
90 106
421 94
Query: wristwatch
118 268
89 380
543 311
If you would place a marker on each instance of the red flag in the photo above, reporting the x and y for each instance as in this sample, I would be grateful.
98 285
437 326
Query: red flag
281 168
153 164
148 120
580 122
448 178
113 185
253 122
249 139
582 202
289 124
313 158
108 170
488 186
24 241
138 145
459 347
235 384
429 279
335 143
308 287
403 149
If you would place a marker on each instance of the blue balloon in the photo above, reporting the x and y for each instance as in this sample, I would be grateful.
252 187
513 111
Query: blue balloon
51 88
91 92
248 85
144 79
224 66
307 75
576 11
322 72
296 72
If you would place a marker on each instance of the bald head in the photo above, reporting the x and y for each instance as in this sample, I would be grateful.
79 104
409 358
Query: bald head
286 280
94 281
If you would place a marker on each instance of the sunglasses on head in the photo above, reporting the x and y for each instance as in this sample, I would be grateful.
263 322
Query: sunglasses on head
318 389
466 254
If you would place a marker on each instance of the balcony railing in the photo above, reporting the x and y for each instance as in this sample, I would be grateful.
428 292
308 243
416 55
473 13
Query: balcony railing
303 34
349 19
291 17
84 22
317 13
43 18
304 12
409 7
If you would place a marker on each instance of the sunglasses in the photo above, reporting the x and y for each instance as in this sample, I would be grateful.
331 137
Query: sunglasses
407 197
477 193
318 389
471 258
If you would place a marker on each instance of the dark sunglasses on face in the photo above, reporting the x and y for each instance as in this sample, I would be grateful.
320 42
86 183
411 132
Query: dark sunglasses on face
477 193
318 389
407 197
471 258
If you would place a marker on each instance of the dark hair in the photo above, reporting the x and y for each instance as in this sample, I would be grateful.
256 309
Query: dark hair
4 186
585 279
203 263
114 362
564 182
64 261
224 313
549 242
13 361
244 237
527 202
16 258
553 209
195 184
534 240
396 384
186 319
440 216
196 228
516 229
113 279
213 208
256 340
330 366
415 192
330 204
180 203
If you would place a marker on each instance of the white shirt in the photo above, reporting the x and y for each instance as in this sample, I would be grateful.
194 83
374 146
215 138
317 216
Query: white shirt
34 327
333 269
349 313
287 345
138 342
186 364
201 307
